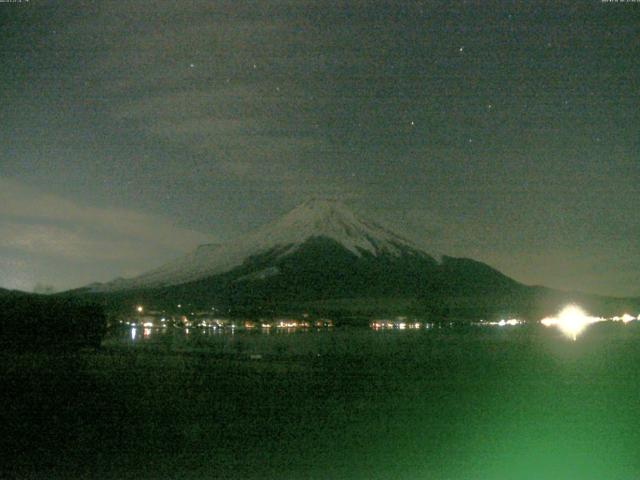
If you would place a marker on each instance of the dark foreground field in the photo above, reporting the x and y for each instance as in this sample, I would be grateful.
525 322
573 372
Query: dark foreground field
518 404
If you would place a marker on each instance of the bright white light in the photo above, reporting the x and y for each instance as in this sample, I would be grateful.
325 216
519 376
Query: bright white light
572 320
511 322
133 333
626 318
140 308
549 321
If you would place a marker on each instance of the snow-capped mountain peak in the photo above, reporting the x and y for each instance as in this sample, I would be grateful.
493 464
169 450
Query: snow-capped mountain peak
315 218
331 219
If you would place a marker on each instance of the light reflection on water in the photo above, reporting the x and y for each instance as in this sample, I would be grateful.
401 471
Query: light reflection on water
285 341
378 327
157 333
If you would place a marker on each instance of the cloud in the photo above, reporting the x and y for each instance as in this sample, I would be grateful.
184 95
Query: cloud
35 219
39 227
70 242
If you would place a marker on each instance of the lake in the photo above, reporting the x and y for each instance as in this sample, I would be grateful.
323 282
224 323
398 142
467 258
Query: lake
516 402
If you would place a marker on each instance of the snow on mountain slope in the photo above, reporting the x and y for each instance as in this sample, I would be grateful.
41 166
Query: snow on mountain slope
315 218
332 220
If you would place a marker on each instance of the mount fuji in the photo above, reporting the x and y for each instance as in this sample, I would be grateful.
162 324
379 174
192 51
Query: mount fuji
308 225
324 257
321 251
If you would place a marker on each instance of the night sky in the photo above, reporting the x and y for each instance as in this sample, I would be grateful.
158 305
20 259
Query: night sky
508 132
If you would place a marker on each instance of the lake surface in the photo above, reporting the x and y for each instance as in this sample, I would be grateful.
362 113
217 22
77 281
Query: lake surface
522 402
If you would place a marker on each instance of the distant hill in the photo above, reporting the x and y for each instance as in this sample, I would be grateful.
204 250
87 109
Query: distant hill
5 293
